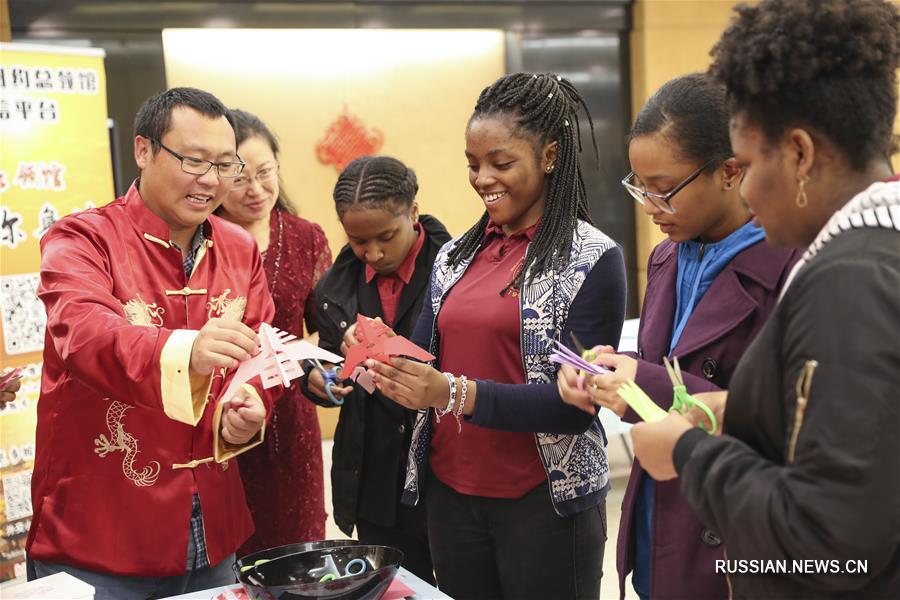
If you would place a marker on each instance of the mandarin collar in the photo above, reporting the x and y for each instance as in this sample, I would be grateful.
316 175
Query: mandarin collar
148 223
492 229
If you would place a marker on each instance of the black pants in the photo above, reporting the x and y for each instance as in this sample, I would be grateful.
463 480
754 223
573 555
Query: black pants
513 548
408 535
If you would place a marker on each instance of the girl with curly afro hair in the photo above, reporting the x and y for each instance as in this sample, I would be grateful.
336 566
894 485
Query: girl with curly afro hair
803 484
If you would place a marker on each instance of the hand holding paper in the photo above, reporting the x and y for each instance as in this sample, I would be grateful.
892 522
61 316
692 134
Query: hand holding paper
222 343
9 385
277 360
377 342
242 417
655 442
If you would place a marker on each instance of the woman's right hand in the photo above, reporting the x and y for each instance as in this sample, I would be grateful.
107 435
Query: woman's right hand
571 391
716 401
604 389
316 384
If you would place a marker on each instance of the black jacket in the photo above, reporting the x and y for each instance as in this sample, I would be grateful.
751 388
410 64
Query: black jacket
822 483
373 432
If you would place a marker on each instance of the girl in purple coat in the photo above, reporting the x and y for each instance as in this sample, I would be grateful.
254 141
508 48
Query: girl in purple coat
710 288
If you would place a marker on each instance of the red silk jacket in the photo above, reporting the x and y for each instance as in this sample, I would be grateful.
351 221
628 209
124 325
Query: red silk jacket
125 437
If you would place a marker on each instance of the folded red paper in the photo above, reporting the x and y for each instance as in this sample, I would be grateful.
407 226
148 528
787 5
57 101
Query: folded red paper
377 343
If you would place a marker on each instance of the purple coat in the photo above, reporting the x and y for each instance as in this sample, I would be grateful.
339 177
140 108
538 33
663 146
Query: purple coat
721 327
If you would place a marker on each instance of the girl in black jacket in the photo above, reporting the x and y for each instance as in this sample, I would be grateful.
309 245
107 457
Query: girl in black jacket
803 486
382 272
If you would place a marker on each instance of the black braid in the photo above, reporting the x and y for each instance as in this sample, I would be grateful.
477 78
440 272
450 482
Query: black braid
376 181
543 107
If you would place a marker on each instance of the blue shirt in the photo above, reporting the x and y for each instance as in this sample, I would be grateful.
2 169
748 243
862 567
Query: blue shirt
699 263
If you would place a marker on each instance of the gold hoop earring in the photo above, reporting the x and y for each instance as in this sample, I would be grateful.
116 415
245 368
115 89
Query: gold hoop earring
801 200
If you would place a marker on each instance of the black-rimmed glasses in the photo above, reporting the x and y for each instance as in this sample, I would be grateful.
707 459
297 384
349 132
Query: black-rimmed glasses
660 201
198 166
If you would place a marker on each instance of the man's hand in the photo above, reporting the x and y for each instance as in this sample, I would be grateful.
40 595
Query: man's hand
242 417
222 343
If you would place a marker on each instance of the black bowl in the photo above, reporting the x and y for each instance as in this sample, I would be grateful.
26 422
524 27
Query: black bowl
288 577
279 551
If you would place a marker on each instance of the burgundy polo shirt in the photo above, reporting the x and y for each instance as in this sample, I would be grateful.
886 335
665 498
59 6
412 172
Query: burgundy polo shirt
391 286
480 333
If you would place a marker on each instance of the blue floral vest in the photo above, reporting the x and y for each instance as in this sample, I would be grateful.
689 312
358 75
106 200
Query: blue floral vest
576 465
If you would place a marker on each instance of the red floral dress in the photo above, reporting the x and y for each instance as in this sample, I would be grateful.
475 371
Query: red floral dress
283 477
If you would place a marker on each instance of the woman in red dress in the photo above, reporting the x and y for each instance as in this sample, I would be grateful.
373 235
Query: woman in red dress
282 477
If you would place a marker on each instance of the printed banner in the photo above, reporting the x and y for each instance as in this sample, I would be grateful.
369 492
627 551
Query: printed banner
54 160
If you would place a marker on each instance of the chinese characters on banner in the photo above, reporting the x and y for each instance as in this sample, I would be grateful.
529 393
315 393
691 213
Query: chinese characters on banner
54 160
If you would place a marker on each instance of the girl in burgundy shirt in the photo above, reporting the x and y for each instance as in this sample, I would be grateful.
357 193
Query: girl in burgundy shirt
514 480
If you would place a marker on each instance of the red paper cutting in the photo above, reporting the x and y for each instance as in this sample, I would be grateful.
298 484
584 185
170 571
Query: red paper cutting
375 342
345 139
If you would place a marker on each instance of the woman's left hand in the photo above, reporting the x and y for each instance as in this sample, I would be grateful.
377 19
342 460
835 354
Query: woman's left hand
654 444
412 384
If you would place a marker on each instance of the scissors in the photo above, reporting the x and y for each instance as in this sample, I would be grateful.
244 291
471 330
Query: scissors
683 401
586 353
332 379
357 566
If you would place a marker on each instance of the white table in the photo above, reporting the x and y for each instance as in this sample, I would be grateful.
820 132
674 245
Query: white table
422 590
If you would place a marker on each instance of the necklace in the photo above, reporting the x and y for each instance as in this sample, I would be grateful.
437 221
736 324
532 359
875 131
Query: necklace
273 438
277 261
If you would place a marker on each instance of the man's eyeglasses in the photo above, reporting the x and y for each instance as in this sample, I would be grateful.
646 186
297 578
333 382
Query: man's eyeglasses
261 176
660 201
198 166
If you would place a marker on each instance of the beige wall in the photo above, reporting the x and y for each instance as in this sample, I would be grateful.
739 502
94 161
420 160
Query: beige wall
672 38
418 88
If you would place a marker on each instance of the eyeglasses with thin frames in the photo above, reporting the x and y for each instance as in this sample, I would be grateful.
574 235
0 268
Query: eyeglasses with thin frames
261 176
660 201
198 166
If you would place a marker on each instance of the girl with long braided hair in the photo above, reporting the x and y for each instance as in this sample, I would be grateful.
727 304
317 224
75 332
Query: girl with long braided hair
381 273
513 479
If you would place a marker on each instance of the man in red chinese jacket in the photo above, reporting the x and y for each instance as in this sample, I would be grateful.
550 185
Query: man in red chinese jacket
151 302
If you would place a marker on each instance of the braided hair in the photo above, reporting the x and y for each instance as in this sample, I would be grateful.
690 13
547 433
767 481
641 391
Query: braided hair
542 108
377 182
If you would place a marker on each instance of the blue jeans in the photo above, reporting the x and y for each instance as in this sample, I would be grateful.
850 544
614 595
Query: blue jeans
124 587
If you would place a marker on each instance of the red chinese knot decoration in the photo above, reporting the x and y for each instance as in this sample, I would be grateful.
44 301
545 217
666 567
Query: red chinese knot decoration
347 138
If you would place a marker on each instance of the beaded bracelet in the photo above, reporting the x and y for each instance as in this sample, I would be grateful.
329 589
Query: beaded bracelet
438 413
464 384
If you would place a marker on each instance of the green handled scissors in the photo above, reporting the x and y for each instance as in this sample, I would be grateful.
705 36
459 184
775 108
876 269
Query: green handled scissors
683 402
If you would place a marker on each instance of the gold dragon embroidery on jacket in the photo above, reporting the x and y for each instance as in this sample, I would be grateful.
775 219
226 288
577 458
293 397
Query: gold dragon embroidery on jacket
120 440
226 308
138 312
